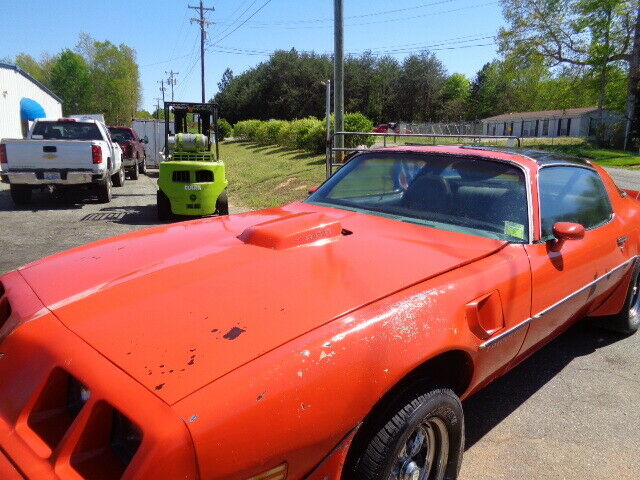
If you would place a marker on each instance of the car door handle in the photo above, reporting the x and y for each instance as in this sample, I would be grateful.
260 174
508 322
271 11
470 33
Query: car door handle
621 241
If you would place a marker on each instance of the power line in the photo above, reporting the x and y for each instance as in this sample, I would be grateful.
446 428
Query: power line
235 21
241 24
377 22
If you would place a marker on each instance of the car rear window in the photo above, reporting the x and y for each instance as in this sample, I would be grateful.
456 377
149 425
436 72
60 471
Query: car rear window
121 134
67 131
465 194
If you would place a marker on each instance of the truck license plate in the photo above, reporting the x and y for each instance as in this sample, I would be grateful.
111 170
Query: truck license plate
51 176
193 187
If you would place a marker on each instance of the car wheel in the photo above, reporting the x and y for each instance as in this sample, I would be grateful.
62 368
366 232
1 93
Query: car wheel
422 438
628 320
164 206
104 190
134 171
20 194
143 166
222 204
118 178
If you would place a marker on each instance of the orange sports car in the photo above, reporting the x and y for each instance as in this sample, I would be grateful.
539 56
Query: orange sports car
323 340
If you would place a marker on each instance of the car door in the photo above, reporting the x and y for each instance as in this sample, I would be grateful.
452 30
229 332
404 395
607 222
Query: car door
568 277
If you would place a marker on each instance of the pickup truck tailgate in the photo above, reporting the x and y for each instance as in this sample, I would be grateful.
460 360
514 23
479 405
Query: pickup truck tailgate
48 154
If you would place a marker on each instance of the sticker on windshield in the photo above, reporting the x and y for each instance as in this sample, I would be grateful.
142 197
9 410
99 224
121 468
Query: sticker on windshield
514 229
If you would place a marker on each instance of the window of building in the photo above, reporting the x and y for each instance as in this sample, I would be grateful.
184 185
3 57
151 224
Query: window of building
528 129
572 194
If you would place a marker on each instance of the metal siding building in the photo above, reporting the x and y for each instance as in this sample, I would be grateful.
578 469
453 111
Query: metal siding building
22 99
571 122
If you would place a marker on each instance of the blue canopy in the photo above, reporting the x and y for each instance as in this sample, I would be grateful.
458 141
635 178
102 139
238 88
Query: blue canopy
31 110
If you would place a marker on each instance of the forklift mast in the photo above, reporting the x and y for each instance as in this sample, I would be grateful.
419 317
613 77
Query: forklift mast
207 118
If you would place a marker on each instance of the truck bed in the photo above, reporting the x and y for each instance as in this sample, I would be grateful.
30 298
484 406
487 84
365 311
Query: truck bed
48 154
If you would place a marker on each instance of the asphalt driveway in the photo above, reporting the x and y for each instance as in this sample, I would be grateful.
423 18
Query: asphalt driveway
569 412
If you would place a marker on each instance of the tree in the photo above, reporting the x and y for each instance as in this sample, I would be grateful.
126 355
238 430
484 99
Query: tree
115 79
38 70
593 34
70 80
143 114
456 93
225 81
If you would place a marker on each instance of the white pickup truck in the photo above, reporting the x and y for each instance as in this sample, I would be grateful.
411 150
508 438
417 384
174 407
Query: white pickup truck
62 153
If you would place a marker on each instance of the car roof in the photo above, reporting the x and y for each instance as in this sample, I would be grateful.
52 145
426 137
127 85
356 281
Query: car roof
529 158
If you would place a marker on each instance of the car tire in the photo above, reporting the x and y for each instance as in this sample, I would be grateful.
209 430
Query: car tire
628 320
104 190
222 204
134 174
164 206
421 437
143 166
118 178
20 194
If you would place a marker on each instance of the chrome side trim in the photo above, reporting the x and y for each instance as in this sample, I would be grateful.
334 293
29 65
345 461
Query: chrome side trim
540 314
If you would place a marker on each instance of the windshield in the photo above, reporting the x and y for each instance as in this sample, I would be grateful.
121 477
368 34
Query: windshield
463 194
121 134
67 131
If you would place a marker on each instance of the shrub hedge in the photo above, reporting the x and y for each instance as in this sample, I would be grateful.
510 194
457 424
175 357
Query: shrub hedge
303 134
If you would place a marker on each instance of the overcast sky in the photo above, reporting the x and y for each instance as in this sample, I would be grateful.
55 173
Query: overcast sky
460 32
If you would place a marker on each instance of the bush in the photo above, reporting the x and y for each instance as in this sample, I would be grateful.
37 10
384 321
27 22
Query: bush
300 128
315 139
357 122
247 129
224 129
268 132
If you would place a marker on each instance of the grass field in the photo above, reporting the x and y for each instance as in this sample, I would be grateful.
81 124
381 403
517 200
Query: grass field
261 177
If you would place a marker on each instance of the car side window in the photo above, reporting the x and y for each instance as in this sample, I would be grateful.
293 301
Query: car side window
572 194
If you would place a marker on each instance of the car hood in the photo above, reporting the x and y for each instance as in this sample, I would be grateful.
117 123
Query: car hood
180 305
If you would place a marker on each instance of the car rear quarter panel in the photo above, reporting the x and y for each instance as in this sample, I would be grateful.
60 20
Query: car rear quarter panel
297 402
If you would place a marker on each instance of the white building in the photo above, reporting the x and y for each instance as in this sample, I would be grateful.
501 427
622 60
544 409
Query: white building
22 100
570 122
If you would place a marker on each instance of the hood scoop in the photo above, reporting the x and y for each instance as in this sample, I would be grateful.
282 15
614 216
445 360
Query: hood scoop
293 231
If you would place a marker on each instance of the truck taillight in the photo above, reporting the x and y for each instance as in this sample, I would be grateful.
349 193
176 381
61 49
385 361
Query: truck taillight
3 154
96 154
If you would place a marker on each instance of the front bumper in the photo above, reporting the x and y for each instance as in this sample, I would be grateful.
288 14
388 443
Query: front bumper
59 177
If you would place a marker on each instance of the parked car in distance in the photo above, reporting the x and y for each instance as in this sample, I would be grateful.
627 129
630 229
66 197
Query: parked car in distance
134 156
391 128
62 153
330 338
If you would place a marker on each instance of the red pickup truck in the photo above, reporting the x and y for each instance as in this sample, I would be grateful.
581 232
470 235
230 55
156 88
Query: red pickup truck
134 157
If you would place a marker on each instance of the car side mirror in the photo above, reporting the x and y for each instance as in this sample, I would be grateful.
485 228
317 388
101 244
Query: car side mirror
564 231
313 189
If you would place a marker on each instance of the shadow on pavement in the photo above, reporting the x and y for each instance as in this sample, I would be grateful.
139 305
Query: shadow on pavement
494 403
63 200
129 215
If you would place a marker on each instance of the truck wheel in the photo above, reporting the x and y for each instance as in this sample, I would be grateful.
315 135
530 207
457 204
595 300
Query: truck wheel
628 320
143 166
104 190
134 171
222 204
118 178
20 194
164 206
421 438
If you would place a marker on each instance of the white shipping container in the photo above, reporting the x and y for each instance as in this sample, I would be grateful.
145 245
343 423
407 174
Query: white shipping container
153 131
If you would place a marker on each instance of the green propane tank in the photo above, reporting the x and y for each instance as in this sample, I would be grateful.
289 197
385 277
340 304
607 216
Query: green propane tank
188 142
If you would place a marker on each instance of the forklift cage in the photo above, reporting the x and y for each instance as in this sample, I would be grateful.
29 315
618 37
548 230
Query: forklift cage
207 120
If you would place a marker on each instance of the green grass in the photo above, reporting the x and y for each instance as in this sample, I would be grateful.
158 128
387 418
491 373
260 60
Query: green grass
261 177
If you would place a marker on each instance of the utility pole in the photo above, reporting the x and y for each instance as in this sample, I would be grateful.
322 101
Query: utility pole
162 89
327 85
203 34
158 107
172 80
338 74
